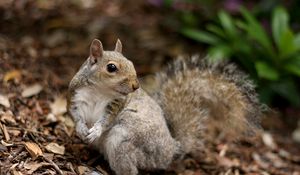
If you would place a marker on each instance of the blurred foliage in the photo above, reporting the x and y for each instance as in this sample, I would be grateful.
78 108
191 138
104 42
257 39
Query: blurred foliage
271 58
268 50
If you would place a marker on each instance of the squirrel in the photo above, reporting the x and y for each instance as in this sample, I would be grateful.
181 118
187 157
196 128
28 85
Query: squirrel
137 131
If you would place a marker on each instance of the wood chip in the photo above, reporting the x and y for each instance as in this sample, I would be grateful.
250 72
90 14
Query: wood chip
32 90
33 149
268 140
4 131
6 144
82 170
59 106
55 148
2 148
4 101
11 75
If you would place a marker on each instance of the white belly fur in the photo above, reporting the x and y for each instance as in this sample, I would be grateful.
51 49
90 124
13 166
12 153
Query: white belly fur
92 104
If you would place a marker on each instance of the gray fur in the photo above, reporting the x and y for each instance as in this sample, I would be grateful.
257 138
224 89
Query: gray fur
134 131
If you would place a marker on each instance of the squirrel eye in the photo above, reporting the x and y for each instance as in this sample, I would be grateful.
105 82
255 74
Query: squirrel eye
111 68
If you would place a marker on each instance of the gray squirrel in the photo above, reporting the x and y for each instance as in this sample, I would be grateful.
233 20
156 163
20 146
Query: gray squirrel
135 131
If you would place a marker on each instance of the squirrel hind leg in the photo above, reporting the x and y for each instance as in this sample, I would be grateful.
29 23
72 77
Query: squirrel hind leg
122 158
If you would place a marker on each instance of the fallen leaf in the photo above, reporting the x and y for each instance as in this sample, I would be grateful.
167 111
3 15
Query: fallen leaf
8 117
33 166
11 75
32 90
49 156
4 101
82 169
4 131
55 148
224 161
99 168
33 149
14 132
59 106
15 172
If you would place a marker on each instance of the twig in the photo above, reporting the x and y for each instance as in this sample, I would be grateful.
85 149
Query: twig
5 133
25 129
54 165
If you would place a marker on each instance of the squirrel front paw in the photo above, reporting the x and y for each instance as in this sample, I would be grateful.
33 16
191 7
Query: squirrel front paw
82 130
94 133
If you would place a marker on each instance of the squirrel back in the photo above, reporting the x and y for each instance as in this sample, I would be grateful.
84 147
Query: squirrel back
196 95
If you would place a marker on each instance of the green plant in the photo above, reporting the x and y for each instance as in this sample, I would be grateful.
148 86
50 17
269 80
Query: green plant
272 60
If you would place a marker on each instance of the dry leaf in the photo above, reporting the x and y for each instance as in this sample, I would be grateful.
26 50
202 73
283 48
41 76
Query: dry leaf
14 132
99 168
224 161
4 101
49 156
33 149
59 106
33 166
82 170
15 172
5 133
32 90
55 148
11 75
8 117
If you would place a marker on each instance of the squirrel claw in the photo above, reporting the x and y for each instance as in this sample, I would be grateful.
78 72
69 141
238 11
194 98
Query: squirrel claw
94 133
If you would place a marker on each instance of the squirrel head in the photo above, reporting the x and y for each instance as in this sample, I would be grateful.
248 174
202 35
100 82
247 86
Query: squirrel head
110 71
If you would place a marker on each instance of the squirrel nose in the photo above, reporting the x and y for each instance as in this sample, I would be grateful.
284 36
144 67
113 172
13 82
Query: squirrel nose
135 85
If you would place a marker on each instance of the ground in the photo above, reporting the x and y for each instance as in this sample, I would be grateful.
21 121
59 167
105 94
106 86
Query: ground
43 43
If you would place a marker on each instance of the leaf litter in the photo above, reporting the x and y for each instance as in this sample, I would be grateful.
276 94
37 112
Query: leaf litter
37 135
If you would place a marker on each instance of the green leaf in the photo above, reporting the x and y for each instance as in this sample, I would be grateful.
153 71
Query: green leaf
200 36
227 24
220 52
256 31
286 44
216 30
266 71
297 41
280 20
287 89
293 66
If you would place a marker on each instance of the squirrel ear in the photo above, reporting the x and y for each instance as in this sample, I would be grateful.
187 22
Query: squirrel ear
118 47
96 50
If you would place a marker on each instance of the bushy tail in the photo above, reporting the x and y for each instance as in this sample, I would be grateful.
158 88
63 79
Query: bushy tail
196 95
